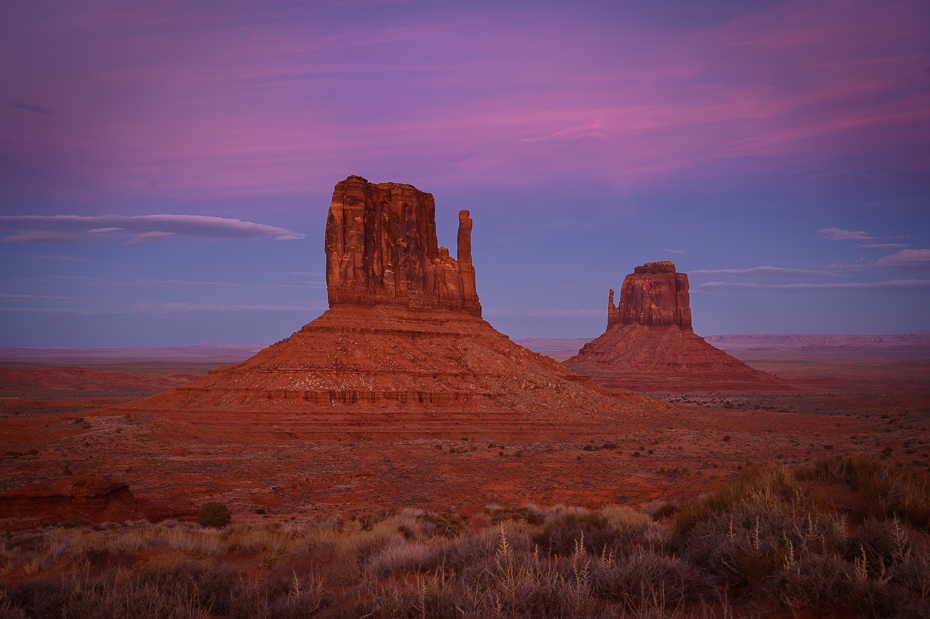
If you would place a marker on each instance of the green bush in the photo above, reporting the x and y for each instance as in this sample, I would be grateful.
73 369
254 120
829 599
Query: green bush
214 514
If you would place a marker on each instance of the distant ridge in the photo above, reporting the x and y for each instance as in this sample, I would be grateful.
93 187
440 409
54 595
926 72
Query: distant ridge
818 341
232 352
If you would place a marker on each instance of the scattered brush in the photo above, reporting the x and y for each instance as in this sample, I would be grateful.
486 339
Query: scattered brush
756 540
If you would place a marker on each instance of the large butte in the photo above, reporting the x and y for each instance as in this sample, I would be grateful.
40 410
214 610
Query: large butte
401 353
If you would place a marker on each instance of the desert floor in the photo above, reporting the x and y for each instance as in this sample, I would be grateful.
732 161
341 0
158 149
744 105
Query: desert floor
310 461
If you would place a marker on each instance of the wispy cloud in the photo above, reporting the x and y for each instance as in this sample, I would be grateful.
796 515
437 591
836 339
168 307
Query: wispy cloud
168 308
57 257
765 272
63 229
670 251
524 311
917 285
595 130
28 107
28 237
908 260
884 245
837 234
29 297
154 235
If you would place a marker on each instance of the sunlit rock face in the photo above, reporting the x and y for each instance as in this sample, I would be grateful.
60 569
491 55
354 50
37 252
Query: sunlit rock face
653 295
381 249
403 335
649 344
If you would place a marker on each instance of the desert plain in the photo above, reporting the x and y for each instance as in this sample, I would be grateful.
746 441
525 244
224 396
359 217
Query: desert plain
73 413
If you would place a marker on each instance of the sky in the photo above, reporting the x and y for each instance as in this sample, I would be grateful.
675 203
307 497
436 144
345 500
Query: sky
166 167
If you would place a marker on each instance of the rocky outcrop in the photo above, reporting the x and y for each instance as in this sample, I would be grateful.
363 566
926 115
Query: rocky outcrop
649 344
403 333
381 249
654 295
74 496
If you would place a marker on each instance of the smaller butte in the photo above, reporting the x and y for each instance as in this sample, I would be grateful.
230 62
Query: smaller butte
649 345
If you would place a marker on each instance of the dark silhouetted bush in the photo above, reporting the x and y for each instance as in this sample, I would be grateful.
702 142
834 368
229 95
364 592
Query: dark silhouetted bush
214 514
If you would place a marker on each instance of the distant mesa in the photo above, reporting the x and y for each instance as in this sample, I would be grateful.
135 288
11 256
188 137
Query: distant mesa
650 346
403 333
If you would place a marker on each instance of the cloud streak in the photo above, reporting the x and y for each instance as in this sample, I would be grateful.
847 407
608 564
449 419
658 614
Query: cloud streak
915 285
837 234
70 229
908 260
166 308
765 272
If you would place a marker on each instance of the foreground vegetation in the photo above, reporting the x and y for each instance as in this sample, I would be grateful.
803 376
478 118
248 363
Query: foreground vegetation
755 546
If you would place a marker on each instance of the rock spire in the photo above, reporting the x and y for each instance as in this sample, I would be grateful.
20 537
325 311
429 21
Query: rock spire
381 249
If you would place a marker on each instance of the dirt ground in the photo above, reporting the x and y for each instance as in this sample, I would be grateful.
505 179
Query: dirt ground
311 460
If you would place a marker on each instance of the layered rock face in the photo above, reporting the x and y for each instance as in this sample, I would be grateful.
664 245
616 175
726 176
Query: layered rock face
85 496
381 249
650 346
403 332
654 295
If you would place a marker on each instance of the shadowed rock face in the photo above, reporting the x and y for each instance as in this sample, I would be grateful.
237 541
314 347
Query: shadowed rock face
653 295
381 249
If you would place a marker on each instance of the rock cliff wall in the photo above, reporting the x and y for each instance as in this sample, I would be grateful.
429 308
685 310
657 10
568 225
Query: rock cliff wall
654 295
381 249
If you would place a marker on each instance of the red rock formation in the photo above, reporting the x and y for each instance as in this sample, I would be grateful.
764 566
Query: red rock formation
649 344
403 328
85 496
653 295
381 249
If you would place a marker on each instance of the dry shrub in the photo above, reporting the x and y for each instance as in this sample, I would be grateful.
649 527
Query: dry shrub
621 517
282 596
400 556
748 545
645 578
880 545
913 576
823 583
213 514
881 491
528 513
762 481
250 541
207 587
561 535
514 582
896 493
849 470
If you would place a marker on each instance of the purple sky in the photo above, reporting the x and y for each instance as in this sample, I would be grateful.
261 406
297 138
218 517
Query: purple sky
165 167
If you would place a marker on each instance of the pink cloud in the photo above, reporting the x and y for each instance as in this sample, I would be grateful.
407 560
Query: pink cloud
837 234
913 260
764 272
915 285
27 237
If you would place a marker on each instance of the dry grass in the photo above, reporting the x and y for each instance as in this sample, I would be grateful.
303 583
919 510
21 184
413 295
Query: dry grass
882 491
756 540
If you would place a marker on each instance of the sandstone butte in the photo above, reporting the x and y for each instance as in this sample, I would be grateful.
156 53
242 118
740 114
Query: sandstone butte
650 346
401 353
